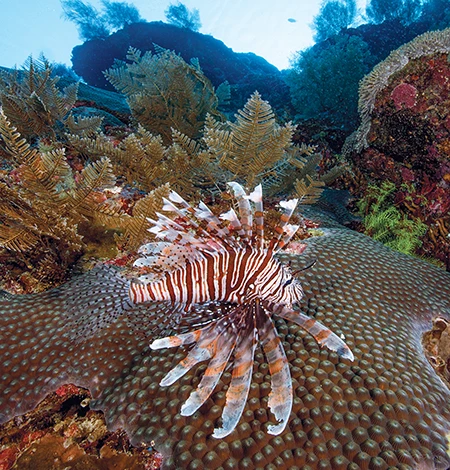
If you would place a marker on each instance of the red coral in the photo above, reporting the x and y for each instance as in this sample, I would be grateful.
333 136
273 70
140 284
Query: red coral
404 96
121 261
67 390
407 174
8 457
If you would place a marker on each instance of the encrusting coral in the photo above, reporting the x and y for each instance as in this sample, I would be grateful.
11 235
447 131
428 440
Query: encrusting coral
371 85
404 137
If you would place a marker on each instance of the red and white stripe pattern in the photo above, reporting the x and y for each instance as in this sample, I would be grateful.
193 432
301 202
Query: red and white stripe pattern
236 276
204 259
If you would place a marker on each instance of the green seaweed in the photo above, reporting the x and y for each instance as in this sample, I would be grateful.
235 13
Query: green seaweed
384 222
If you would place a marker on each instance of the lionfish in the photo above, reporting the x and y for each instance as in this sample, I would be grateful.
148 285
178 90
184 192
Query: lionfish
204 259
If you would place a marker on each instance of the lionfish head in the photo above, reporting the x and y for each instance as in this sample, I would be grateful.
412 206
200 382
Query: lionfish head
291 290
286 290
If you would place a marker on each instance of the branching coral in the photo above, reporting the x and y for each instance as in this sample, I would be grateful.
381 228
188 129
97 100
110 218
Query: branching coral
146 163
253 144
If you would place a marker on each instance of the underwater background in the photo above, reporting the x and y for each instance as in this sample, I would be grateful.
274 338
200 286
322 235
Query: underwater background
344 106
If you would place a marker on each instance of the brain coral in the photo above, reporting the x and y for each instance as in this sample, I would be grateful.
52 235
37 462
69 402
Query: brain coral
387 409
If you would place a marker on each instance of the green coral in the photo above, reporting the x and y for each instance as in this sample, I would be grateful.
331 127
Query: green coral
384 222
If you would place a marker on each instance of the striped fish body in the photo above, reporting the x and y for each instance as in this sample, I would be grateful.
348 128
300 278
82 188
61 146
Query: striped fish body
235 275
202 258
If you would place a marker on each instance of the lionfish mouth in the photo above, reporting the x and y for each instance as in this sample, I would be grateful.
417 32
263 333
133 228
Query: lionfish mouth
206 260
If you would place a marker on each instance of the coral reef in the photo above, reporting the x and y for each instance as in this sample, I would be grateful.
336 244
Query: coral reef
252 149
387 409
404 136
61 203
63 433
430 43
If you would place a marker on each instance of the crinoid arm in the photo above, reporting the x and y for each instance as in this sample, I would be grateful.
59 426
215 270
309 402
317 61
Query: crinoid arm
323 335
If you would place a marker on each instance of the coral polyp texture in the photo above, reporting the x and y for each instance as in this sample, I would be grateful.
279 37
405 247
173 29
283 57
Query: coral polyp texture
387 409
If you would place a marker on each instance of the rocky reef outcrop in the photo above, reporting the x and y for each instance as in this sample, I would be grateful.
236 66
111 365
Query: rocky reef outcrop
404 136
245 72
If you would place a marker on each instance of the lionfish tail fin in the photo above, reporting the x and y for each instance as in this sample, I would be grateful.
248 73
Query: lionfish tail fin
96 299
280 397
323 335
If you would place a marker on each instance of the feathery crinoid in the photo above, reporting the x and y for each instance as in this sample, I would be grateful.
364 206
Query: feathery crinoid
165 92
225 264
34 102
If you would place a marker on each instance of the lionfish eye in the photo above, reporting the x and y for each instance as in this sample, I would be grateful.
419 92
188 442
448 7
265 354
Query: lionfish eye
289 281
